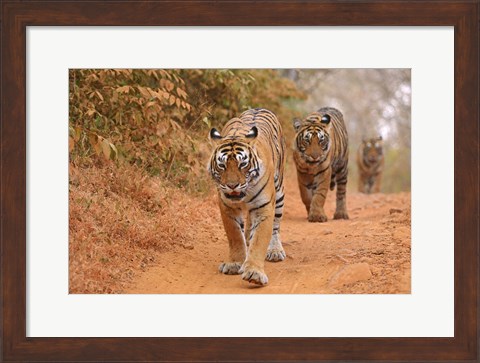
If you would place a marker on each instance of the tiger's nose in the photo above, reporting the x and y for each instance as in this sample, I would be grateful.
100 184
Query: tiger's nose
232 185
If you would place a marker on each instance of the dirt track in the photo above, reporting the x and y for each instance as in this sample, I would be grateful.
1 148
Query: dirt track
370 253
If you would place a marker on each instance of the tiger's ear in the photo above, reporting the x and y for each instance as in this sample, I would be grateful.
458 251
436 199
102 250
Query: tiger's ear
379 138
296 123
215 135
253 133
325 119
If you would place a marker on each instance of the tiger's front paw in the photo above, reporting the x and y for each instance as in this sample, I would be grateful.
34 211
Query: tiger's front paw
317 217
254 275
275 255
230 268
340 214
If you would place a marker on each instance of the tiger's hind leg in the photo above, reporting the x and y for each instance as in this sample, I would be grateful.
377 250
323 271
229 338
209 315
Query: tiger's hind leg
341 209
275 252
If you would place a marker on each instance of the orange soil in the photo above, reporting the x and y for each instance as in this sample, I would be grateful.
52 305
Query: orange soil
369 253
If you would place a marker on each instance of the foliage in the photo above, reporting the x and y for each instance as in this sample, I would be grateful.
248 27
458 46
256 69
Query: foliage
159 119
395 176
120 222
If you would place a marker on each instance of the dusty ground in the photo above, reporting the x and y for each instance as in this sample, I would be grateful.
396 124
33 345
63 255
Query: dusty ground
370 253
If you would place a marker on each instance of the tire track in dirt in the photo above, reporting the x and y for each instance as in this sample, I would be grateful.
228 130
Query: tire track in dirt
369 253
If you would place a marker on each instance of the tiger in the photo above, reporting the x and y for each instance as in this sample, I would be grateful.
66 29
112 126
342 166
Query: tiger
320 153
247 167
370 163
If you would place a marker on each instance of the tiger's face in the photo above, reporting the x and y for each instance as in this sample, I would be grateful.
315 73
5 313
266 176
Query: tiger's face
313 139
372 150
234 164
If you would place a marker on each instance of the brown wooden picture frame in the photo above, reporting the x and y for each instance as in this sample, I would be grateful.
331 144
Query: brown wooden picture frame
18 15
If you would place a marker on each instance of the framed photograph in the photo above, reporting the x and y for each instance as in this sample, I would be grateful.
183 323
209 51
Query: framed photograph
139 149
240 181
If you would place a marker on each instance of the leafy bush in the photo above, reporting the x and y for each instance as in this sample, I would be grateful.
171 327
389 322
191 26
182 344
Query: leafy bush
159 119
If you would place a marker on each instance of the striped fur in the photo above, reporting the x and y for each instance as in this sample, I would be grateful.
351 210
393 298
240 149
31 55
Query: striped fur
370 164
321 158
247 166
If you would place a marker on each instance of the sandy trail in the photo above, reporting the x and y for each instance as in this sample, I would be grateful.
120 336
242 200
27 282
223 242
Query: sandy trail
369 253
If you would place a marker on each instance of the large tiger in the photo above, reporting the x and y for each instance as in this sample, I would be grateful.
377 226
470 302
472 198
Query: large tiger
370 163
247 167
321 157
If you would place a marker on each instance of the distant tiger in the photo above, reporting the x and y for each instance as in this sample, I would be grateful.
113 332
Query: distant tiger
321 157
247 167
370 163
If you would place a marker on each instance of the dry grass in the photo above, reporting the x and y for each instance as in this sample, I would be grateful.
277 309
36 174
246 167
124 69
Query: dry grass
121 220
